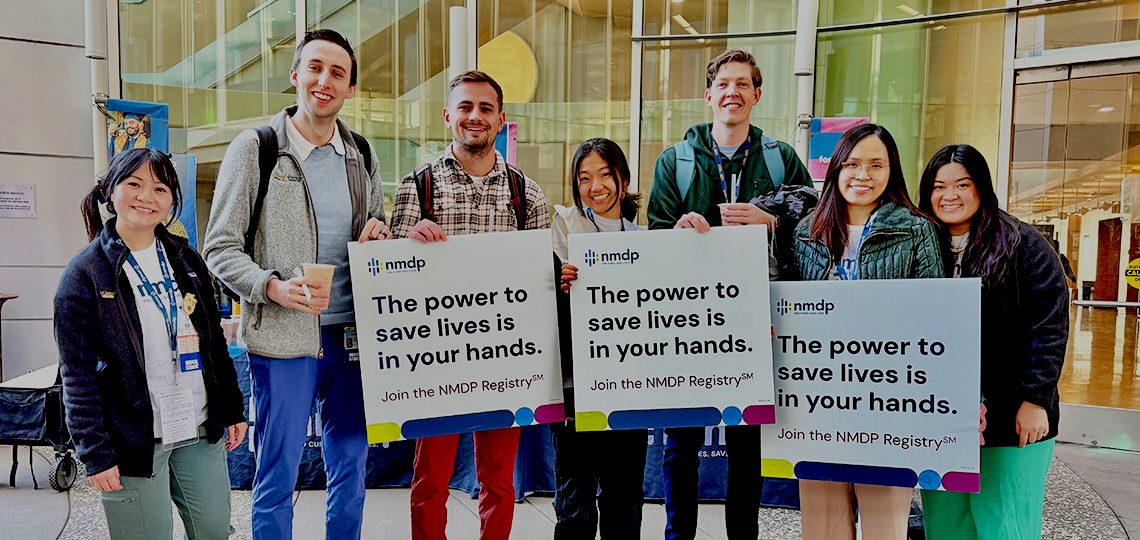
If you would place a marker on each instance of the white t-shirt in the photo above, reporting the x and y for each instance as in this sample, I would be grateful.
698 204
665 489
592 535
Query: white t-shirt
850 259
958 248
614 225
477 180
160 365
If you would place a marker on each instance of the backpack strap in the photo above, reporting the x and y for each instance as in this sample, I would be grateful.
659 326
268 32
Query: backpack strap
685 167
423 189
266 160
770 149
365 151
517 182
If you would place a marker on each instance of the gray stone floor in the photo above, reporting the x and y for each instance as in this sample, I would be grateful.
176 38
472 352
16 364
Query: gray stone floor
1087 489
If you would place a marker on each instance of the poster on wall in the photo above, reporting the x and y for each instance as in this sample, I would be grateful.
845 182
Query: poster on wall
137 124
186 223
825 133
17 201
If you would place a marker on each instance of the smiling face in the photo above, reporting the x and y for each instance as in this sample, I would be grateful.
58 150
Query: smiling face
598 186
474 117
864 174
954 198
141 202
132 126
732 94
322 79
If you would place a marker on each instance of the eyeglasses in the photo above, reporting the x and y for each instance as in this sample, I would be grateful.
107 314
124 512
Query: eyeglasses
874 170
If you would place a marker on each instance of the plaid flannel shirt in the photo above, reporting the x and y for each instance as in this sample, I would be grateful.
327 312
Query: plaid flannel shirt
464 208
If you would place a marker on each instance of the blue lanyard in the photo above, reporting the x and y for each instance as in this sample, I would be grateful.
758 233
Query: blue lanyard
169 311
720 168
855 271
590 214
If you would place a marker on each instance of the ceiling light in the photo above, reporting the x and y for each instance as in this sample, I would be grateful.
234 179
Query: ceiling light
678 1
1106 109
908 10
682 21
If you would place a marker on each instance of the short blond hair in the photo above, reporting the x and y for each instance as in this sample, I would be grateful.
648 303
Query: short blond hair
727 57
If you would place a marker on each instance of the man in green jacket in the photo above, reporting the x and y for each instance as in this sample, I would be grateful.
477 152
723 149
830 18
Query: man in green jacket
690 180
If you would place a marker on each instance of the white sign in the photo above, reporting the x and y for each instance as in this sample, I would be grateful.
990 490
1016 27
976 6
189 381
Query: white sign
877 382
457 336
17 201
671 328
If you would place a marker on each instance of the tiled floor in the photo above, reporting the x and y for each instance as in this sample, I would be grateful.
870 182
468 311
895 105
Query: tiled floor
1101 366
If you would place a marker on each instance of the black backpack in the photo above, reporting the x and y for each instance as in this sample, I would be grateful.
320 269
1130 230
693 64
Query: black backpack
516 181
266 160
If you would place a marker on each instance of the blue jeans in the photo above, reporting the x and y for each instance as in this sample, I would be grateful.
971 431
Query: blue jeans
742 500
583 462
283 394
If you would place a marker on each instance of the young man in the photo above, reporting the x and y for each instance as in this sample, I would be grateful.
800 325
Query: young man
472 186
729 148
320 196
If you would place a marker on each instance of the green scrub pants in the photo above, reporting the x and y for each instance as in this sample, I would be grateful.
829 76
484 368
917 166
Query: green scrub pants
195 477
1008 506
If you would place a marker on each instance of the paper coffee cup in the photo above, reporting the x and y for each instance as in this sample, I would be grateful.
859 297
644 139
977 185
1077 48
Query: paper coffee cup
322 273
723 207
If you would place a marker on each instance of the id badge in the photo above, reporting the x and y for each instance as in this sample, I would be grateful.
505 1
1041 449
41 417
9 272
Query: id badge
176 412
189 357
350 342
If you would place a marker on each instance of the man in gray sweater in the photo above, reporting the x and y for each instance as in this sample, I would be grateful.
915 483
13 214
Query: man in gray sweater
299 333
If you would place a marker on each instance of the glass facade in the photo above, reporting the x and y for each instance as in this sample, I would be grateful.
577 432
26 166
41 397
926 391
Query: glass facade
567 68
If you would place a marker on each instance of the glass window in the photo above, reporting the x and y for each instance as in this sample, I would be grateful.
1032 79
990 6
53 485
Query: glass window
581 82
671 17
860 11
929 85
1081 25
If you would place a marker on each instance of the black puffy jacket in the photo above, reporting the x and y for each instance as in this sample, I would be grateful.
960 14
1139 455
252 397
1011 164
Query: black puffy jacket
1025 328
101 357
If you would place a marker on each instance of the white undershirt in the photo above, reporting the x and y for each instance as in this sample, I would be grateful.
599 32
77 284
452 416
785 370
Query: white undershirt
605 224
850 259
159 362
477 180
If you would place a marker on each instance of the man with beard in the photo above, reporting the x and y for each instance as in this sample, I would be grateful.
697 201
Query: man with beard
131 136
474 191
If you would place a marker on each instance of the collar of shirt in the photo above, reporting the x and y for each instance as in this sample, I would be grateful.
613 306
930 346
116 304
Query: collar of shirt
303 146
499 170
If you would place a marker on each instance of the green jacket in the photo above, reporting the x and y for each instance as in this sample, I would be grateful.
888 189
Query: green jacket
900 245
667 205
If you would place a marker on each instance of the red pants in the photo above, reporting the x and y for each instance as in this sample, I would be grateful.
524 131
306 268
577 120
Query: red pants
495 469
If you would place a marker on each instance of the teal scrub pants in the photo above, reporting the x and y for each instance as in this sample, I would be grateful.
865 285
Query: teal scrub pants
1008 506
195 477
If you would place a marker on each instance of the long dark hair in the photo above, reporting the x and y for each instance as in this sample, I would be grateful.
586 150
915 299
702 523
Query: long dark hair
619 167
829 226
993 233
122 167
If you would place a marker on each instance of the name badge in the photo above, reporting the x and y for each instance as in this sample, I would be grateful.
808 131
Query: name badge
176 413
189 356
350 342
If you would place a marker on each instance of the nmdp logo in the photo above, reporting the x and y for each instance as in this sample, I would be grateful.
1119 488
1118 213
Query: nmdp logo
414 264
1132 273
783 307
617 257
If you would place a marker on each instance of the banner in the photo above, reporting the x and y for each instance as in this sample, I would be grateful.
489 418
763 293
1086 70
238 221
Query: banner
824 135
457 336
671 329
877 382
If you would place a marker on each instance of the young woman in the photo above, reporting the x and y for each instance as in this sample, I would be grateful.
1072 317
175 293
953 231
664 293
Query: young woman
148 385
1025 328
611 460
865 227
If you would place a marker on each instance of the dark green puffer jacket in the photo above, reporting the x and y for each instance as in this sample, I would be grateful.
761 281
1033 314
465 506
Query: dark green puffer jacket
900 245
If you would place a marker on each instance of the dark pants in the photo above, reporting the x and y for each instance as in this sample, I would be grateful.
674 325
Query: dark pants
613 460
742 501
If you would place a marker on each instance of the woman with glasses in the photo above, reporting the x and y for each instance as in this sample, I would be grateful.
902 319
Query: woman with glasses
865 227
1025 328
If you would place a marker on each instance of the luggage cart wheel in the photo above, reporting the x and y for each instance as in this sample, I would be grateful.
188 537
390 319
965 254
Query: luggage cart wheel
63 472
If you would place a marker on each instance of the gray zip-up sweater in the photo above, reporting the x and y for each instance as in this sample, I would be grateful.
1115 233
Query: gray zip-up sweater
286 235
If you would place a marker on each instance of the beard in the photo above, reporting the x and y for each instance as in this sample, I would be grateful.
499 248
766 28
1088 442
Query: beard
478 146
